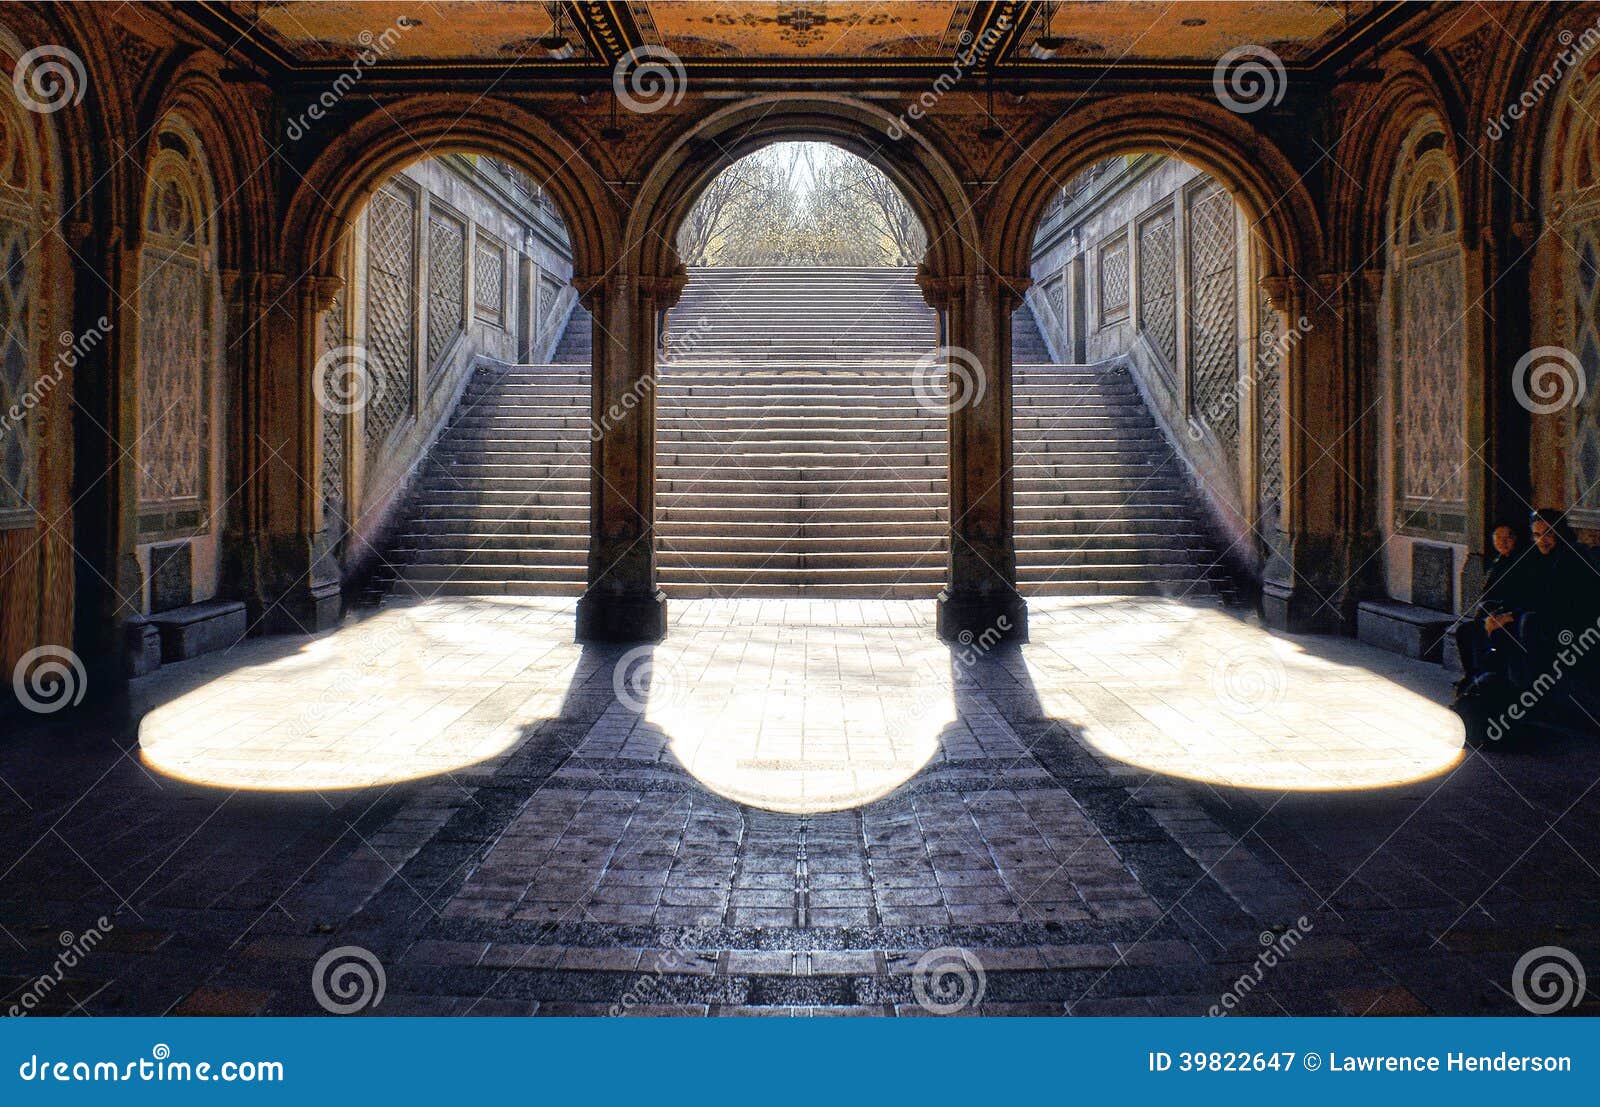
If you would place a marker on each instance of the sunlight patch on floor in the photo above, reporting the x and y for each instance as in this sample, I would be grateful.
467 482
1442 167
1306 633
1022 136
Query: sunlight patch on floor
1193 692
409 693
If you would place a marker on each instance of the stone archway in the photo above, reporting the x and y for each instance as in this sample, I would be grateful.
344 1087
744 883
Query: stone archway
315 244
1302 574
623 601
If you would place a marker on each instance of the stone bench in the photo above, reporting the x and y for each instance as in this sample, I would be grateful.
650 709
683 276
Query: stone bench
1403 627
200 628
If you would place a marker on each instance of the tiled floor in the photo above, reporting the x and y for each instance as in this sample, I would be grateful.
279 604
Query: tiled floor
795 807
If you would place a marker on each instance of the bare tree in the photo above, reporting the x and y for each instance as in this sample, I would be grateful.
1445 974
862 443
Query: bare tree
801 204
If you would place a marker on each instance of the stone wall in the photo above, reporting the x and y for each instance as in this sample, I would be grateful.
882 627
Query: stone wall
1147 259
454 260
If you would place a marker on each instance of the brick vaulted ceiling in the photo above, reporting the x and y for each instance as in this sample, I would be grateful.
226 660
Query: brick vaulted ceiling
312 33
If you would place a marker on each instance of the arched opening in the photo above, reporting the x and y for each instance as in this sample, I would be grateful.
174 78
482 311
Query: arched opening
1424 455
36 385
1558 383
800 443
1147 388
452 388
180 504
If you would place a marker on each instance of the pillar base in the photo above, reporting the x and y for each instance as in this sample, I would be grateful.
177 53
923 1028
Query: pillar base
988 618
632 618
1296 610
312 609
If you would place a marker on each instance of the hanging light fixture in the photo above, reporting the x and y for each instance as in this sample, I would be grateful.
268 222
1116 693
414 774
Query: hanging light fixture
556 44
1046 45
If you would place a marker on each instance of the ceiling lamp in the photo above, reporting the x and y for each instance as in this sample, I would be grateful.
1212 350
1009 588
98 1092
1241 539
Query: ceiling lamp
1046 45
556 44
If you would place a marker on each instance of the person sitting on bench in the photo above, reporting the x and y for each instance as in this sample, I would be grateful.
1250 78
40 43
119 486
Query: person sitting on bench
1486 639
1556 594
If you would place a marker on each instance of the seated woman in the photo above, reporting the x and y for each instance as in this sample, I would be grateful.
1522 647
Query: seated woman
1486 639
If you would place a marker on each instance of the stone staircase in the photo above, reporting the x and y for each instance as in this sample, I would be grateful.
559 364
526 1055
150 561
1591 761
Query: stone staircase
502 503
792 455
801 452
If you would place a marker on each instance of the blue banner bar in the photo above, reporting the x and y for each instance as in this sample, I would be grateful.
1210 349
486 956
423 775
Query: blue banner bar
812 1061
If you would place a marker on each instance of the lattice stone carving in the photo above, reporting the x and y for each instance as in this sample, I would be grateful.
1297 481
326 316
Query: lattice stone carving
489 279
1213 313
176 313
1158 287
1427 276
1583 279
333 451
1432 431
18 474
1114 279
391 310
447 283
171 381
549 296
1269 412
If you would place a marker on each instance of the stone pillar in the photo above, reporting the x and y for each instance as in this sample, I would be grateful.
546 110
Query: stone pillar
273 564
980 595
1306 575
622 602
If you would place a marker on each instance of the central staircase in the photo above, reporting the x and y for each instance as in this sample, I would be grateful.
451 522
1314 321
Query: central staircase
792 455
801 451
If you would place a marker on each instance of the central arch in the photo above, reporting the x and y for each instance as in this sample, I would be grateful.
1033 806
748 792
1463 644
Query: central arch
681 171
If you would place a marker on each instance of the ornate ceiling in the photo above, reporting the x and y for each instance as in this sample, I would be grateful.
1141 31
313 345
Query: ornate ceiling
313 32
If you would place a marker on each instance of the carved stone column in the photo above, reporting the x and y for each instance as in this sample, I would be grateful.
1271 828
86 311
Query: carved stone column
980 595
280 574
1306 572
622 602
